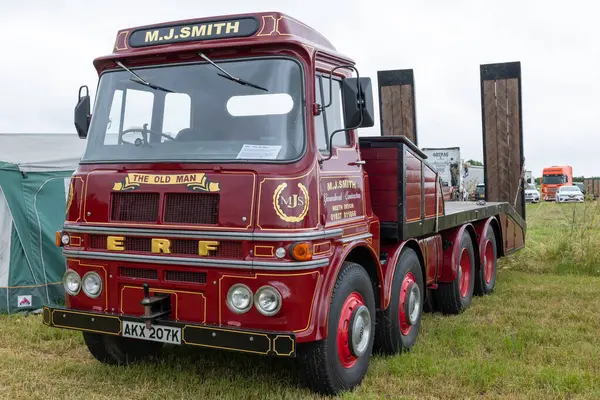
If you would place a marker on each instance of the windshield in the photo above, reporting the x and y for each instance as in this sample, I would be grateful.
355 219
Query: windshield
569 189
189 113
531 187
480 189
554 179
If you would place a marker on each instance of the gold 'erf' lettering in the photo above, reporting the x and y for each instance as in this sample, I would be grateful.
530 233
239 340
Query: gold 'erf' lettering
115 243
204 247
198 30
151 36
185 32
232 27
161 246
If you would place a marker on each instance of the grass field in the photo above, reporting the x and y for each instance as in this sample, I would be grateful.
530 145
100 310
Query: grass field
537 336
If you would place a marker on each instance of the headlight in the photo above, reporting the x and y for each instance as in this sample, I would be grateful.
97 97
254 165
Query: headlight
71 282
239 298
92 284
267 300
280 252
65 239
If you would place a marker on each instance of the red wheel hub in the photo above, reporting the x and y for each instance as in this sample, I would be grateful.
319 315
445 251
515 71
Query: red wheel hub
403 316
353 301
465 272
488 263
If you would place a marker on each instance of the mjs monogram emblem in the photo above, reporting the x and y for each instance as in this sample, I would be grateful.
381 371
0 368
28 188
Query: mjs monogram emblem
290 206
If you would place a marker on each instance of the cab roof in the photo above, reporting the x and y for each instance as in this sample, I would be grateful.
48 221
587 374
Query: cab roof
219 32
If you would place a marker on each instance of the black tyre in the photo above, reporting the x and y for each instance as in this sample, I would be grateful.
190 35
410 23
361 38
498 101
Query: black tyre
485 279
117 350
398 325
340 361
455 297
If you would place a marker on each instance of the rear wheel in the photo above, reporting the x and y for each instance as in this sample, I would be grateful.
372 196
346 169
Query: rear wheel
340 361
117 350
398 325
455 297
486 274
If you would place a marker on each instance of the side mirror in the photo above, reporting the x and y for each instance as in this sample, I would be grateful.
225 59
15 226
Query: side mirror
82 113
357 97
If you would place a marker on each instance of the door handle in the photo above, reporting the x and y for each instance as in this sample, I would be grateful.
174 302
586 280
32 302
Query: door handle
357 162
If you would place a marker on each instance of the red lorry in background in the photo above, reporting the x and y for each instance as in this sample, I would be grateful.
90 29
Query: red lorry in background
553 178
226 201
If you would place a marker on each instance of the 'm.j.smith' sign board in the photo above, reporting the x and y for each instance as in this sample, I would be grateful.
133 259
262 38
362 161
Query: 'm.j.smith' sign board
193 32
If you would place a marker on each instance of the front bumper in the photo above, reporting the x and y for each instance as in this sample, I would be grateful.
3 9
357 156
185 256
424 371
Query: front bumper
280 344
570 200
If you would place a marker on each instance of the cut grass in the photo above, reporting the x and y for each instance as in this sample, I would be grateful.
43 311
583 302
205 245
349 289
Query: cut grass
536 337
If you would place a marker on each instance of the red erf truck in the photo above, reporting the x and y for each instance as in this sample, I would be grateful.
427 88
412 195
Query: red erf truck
225 201
553 178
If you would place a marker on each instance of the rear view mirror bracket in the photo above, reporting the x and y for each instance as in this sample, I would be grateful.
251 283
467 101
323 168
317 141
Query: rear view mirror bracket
360 100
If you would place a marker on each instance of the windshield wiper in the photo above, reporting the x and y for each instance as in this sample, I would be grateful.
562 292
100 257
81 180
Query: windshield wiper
227 75
142 81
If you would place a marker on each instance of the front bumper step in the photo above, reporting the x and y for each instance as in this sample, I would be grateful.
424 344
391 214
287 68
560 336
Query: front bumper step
257 342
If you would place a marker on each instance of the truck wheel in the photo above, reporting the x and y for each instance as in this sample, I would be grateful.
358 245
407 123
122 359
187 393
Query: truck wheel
455 297
398 325
116 350
340 361
485 279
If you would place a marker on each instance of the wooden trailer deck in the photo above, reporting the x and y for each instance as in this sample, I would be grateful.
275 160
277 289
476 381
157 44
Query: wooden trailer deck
460 212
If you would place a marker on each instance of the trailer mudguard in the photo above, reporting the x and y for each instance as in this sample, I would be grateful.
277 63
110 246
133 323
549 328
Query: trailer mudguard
480 229
390 267
451 240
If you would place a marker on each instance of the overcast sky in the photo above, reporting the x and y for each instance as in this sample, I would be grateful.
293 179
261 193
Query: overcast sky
48 48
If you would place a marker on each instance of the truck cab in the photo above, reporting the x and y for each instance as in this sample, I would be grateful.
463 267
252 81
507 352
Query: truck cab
225 201
553 178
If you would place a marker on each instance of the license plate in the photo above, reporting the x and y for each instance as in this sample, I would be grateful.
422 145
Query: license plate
156 333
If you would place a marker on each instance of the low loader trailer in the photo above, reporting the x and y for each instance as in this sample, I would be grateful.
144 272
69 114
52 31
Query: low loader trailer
226 201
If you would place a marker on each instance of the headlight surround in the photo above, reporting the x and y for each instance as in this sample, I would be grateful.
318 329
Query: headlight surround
239 298
92 284
267 300
71 282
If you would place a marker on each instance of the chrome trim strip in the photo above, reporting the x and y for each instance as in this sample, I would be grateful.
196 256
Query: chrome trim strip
297 265
315 235
326 234
215 263
357 237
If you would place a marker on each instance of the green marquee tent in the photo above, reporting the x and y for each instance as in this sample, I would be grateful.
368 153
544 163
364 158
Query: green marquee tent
35 170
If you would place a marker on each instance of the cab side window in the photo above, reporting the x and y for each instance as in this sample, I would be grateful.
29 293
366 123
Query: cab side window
332 117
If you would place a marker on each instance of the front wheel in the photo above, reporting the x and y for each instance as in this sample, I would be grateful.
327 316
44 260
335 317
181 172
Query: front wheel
117 350
340 361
